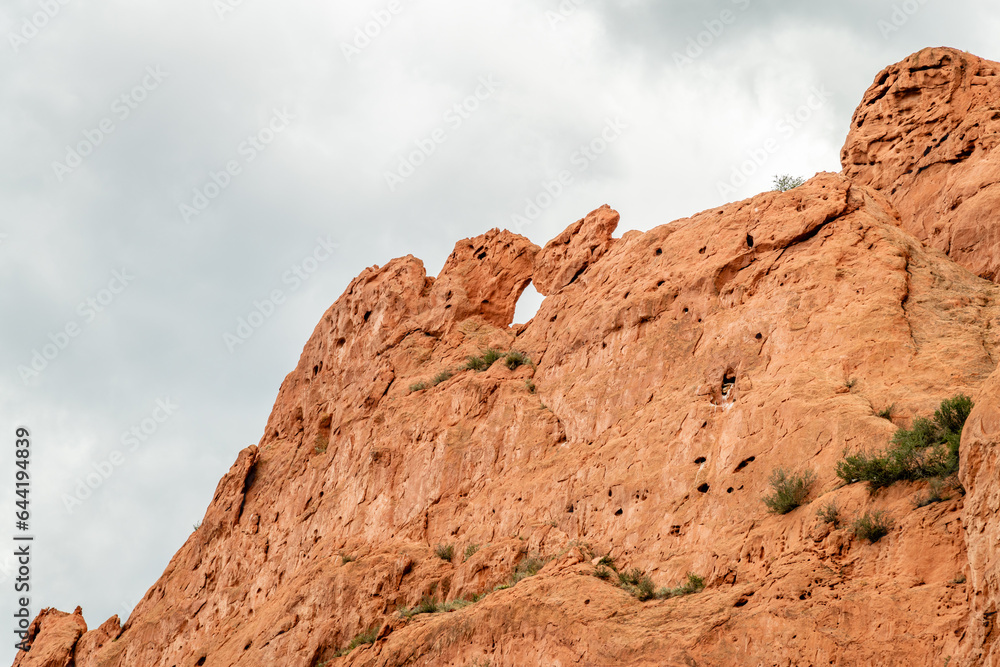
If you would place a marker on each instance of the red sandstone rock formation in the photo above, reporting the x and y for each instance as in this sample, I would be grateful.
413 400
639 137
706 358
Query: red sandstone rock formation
926 135
672 371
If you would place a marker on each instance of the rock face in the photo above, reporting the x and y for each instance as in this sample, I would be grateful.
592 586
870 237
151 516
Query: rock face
672 371
926 136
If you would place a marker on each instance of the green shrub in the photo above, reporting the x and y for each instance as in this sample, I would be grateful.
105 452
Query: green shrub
514 359
528 567
362 639
887 412
345 559
441 377
786 182
829 513
928 449
420 386
790 491
693 584
486 358
471 550
445 552
872 526
530 385
935 494
640 584
608 561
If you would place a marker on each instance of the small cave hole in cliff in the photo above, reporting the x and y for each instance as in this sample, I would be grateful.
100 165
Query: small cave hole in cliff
528 304
749 241
703 488
728 384
619 512
700 460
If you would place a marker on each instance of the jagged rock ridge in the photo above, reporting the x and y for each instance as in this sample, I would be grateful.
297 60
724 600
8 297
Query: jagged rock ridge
673 371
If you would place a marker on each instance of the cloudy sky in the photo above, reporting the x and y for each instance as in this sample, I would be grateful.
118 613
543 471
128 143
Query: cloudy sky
170 168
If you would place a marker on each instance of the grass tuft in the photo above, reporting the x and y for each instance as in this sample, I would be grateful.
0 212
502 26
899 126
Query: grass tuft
470 551
362 639
829 513
789 491
872 526
486 358
515 359
445 552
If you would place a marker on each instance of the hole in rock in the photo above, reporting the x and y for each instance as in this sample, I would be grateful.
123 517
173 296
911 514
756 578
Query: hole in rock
660 284
749 241
569 509
703 488
758 336
659 251
527 304
619 512
367 315
702 251
675 530
700 460
609 493
341 342
586 601
729 490
481 255
741 602
728 383
201 661
685 310
744 463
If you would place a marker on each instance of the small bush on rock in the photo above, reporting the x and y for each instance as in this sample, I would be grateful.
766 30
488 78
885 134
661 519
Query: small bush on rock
928 449
872 526
789 491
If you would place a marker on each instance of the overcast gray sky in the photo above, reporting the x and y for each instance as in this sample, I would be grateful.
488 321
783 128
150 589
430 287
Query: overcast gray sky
166 167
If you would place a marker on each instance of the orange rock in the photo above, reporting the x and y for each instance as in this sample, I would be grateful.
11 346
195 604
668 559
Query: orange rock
671 372
926 136
568 255
53 638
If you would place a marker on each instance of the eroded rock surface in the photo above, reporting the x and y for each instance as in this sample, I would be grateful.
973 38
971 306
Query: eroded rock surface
926 136
672 371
